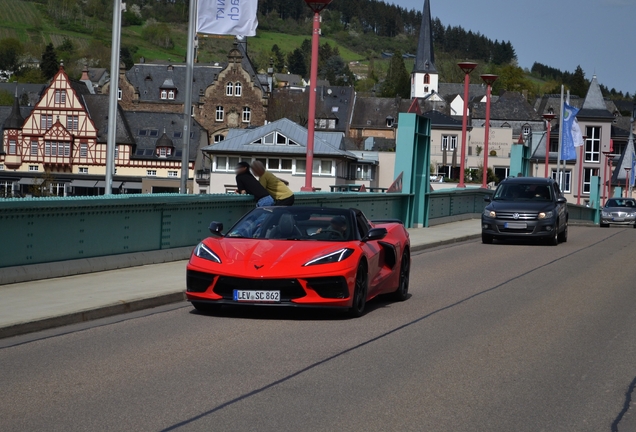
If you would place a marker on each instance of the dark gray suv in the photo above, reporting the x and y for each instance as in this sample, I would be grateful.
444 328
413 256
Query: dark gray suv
526 207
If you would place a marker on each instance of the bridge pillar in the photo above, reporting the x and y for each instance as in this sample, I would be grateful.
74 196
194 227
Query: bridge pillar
413 160
595 197
519 166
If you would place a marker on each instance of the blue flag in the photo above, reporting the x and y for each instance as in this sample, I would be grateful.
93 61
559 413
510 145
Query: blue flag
568 152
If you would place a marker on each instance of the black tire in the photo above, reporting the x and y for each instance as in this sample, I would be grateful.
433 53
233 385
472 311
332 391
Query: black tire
402 291
486 238
360 292
554 240
206 307
604 225
563 236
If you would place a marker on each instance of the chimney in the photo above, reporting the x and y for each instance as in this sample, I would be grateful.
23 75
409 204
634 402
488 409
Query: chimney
85 74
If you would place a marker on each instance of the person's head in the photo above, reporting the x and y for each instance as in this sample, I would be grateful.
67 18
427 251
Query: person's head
339 224
242 167
258 168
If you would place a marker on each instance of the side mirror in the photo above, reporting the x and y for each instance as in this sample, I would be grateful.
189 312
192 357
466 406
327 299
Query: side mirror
216 228
562 200
488 198
375 234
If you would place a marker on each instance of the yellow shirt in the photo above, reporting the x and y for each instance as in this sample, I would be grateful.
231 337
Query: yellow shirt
276 188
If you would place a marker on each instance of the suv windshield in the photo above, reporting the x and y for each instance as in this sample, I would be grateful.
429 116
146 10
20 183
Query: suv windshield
523 192
294 223
620 203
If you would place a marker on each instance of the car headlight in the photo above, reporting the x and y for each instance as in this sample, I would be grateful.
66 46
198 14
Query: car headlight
631 214
490 213
203 251
546 215
605 214
332 257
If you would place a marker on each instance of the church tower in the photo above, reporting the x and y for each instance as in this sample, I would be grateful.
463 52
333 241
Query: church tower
424 78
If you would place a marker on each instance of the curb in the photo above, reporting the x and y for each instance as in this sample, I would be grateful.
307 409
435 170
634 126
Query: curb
91 314
444 242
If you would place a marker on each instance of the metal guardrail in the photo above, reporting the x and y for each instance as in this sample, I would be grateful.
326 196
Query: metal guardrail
456 202
39 230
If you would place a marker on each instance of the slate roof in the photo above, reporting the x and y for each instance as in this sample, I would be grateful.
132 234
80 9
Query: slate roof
149 78
425 58
292 80
240 141
626 160
97 107
442 121
510 106
15 119
32 91
474 90
373 112
5 112
594 105
156 122
97 74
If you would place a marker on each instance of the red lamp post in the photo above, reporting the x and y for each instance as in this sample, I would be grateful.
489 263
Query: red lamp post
627 170
489 79
549 117
317 6
578 199
606 171
467 67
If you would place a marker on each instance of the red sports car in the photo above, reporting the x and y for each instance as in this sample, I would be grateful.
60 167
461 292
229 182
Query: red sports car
300 256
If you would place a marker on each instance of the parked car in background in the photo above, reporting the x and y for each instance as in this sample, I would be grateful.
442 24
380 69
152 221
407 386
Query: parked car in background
526 207
619 211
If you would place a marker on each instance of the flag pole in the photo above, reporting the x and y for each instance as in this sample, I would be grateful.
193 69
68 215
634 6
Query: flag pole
111 137
187 105
558 176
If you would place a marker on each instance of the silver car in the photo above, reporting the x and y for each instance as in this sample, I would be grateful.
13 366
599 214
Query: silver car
619 211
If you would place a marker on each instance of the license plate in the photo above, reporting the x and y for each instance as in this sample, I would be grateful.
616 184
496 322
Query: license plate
515 225
618 219
257 296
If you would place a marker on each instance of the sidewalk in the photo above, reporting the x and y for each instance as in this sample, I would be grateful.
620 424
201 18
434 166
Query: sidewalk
33 306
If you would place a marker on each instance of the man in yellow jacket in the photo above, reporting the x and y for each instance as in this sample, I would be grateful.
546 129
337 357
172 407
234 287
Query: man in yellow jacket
283 196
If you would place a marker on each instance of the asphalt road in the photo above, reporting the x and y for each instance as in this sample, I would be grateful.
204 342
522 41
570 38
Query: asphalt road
503 337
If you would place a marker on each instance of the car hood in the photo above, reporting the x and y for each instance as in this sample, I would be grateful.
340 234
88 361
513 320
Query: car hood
520 206
619 209
257 257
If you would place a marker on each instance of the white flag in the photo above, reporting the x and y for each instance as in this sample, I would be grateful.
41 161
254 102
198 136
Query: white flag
227 17
577 136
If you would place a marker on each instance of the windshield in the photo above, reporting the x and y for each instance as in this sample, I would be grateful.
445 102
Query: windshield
523 192
294 223
621 203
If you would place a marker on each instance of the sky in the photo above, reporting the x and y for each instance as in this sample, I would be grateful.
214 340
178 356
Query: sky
598 35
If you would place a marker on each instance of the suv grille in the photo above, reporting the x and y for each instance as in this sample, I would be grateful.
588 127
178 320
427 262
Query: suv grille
521 217
289 288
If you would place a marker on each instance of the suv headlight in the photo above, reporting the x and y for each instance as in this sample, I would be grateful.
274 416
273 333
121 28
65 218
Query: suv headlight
490 213
332 257
203 251
546 215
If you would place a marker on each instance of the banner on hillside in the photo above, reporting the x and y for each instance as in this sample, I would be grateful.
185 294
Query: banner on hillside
571 136
227 17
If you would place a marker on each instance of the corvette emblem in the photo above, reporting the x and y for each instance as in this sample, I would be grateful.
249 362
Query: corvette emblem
257 267
515 216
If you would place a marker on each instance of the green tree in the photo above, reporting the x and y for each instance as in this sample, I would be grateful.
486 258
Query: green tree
397 82
6 98
296 62
49 64
279 58
579 84
10 51
512 78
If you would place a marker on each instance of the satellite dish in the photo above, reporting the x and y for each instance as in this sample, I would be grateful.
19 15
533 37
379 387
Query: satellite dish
329 91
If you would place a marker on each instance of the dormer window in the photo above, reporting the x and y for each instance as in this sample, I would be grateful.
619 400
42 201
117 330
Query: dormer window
390 121
164 95
526 130
171 95
229 89
238 89
170 67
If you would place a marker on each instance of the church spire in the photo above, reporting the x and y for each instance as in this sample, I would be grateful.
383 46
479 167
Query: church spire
425 59
424 78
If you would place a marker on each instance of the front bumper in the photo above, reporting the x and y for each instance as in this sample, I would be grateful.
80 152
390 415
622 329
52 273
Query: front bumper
500 228
613 220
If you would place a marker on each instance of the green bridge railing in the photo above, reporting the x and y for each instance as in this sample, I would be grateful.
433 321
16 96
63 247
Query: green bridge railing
43 230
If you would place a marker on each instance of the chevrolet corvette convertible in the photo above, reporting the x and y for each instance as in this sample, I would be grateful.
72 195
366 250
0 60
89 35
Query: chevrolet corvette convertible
301 257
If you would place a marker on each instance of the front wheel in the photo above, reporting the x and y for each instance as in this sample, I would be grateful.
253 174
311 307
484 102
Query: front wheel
402 291
602 225
360 292
563 237
486 238
554 239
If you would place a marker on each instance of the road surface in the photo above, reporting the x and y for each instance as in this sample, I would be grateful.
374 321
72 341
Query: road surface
502 337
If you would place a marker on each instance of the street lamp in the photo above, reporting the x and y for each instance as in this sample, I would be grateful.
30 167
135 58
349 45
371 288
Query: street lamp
627 170
549 117
317 6
467 68
608 161
578 199
489 79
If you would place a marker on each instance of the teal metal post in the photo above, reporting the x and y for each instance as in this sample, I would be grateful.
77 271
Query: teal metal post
413 159
518 161
595 197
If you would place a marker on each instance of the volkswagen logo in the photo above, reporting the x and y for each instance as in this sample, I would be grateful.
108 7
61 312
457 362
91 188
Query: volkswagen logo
515 216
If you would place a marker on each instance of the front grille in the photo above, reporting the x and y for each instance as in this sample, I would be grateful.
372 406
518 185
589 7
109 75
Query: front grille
330 287
521 216
289 288
198 281
619 214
